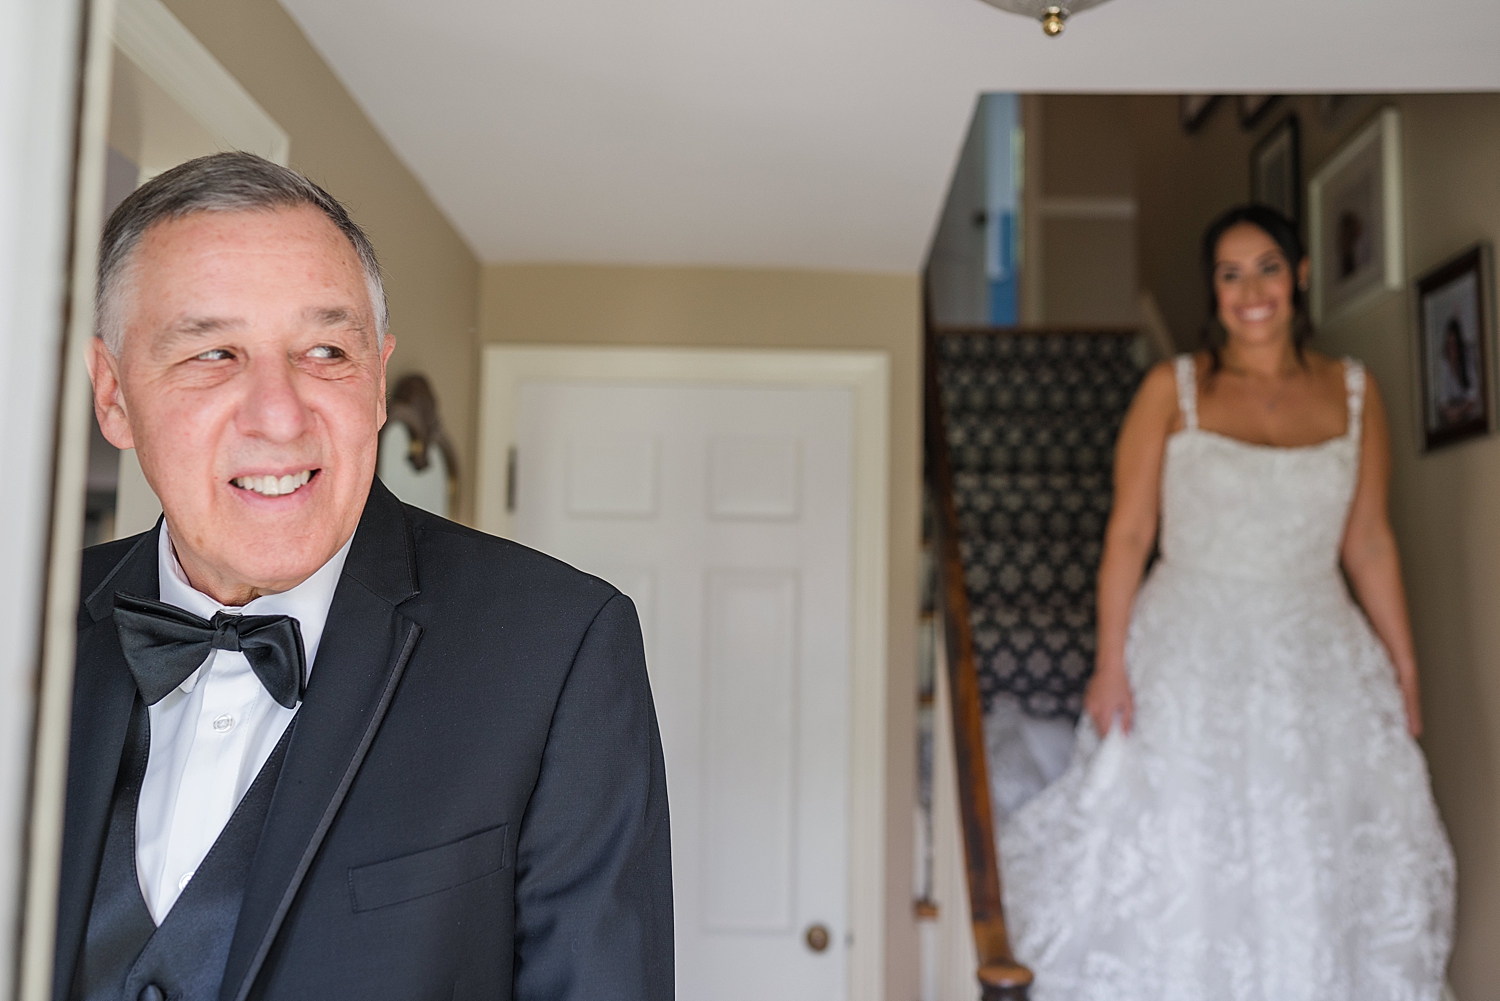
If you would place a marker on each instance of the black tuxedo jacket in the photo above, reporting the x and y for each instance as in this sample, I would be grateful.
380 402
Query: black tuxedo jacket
473 803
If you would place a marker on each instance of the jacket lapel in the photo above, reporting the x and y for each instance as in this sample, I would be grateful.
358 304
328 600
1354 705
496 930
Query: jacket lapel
366 645
103 694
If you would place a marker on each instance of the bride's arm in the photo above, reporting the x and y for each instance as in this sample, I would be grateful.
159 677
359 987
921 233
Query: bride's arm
1128 540
1370 558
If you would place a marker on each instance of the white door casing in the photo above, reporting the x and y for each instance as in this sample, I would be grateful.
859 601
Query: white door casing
725 529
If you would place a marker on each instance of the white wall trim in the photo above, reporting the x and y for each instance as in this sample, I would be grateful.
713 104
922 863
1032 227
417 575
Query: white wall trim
956 957
867 374
153 39
1101 208
70 454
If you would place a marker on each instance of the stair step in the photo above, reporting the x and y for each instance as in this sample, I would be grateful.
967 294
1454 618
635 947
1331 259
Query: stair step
1031 423
995 391
980 443
1002 570
1043 506
1042 656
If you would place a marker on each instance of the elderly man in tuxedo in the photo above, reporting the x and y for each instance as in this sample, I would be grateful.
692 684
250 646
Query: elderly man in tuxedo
325 745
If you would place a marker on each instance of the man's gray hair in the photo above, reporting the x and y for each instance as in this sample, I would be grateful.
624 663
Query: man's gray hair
222 182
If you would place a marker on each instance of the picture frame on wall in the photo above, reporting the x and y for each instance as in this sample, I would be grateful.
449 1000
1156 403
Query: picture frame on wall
1254 107
1193 110
1355 236
1276 170
1455 345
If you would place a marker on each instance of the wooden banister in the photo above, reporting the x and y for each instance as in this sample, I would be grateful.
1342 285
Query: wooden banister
1000 977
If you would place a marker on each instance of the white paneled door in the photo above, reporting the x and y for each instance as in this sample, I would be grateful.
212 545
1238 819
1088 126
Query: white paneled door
725 513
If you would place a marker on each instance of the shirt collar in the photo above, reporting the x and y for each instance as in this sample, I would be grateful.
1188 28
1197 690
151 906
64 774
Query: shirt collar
308 602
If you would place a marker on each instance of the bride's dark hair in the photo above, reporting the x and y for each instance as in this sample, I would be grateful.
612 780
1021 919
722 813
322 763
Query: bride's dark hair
1283 232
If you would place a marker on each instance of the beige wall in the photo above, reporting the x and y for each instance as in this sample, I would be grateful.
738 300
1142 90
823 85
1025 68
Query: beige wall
432 278
1079 266
1086 144
580 304
1445 505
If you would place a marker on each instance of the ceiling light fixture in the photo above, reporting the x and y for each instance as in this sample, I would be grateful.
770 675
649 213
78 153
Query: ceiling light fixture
1052 13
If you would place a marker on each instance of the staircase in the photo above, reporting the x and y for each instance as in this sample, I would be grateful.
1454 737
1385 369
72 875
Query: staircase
1021 426
1031 421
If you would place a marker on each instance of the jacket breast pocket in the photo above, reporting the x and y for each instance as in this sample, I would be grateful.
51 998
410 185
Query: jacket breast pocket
429 871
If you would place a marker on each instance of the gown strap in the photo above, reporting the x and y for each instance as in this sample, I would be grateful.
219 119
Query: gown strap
1187 391
1354 384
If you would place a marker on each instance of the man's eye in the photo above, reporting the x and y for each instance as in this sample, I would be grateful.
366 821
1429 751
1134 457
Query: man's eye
325 352
215 354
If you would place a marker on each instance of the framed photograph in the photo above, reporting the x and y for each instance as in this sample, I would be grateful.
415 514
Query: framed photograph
1276 170
1253 108
1194 109
1354 221
1456 348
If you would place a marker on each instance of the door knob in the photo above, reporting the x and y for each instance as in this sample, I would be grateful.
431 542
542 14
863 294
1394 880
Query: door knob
817 937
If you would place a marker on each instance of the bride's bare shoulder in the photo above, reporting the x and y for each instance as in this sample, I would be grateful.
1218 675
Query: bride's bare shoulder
1327 370
1160 383
1155 403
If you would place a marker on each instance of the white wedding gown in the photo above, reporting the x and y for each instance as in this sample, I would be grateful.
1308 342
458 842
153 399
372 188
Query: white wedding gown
1266 831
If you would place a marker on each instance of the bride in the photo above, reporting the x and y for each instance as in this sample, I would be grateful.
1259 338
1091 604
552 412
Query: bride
1247 815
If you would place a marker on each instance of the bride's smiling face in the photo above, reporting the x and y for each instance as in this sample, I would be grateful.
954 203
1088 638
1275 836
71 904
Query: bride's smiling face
1253 284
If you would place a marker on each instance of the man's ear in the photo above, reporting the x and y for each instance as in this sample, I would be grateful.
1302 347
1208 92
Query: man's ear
1303 271
109 402
385 359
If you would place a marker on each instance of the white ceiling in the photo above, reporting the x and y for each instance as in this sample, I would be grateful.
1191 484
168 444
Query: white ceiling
801 133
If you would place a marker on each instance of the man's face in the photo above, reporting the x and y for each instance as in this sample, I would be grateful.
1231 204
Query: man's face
251 385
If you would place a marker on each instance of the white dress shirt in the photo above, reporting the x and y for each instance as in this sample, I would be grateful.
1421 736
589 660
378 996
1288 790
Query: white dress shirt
211 736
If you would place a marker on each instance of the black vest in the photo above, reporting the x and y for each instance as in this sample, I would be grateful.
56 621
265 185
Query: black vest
126 956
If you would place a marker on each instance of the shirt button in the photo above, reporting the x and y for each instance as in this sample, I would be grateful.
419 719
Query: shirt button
151 992
187 878
224 723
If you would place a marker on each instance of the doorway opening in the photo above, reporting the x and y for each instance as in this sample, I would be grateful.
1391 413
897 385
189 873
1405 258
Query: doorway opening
1115 191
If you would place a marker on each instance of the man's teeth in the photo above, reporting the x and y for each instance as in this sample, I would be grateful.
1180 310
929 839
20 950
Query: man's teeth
273 486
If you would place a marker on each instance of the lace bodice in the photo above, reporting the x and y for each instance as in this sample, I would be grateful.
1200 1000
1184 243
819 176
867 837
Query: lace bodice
1238 509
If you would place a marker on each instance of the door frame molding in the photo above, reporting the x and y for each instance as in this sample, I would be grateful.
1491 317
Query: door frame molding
152 37
506 367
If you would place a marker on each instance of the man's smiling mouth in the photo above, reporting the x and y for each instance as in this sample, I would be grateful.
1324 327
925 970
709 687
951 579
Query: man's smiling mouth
274 486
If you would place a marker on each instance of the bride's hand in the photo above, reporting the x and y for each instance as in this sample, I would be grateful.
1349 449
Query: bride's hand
1107 697
1410 696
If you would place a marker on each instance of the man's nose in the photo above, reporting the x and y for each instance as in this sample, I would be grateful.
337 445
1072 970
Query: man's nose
272 407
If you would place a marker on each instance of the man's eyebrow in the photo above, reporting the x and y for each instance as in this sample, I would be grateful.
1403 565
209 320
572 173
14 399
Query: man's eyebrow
334 316
196 326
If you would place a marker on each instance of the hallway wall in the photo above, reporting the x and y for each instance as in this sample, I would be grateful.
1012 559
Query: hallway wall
1445 505
1080 243
431 275
750 308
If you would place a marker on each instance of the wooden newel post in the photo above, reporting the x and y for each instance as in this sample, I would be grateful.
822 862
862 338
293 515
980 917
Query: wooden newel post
1000 981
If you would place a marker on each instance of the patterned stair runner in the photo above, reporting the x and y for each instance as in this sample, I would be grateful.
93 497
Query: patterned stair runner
1031 425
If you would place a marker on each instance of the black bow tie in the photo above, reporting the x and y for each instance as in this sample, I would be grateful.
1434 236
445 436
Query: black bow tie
163 645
